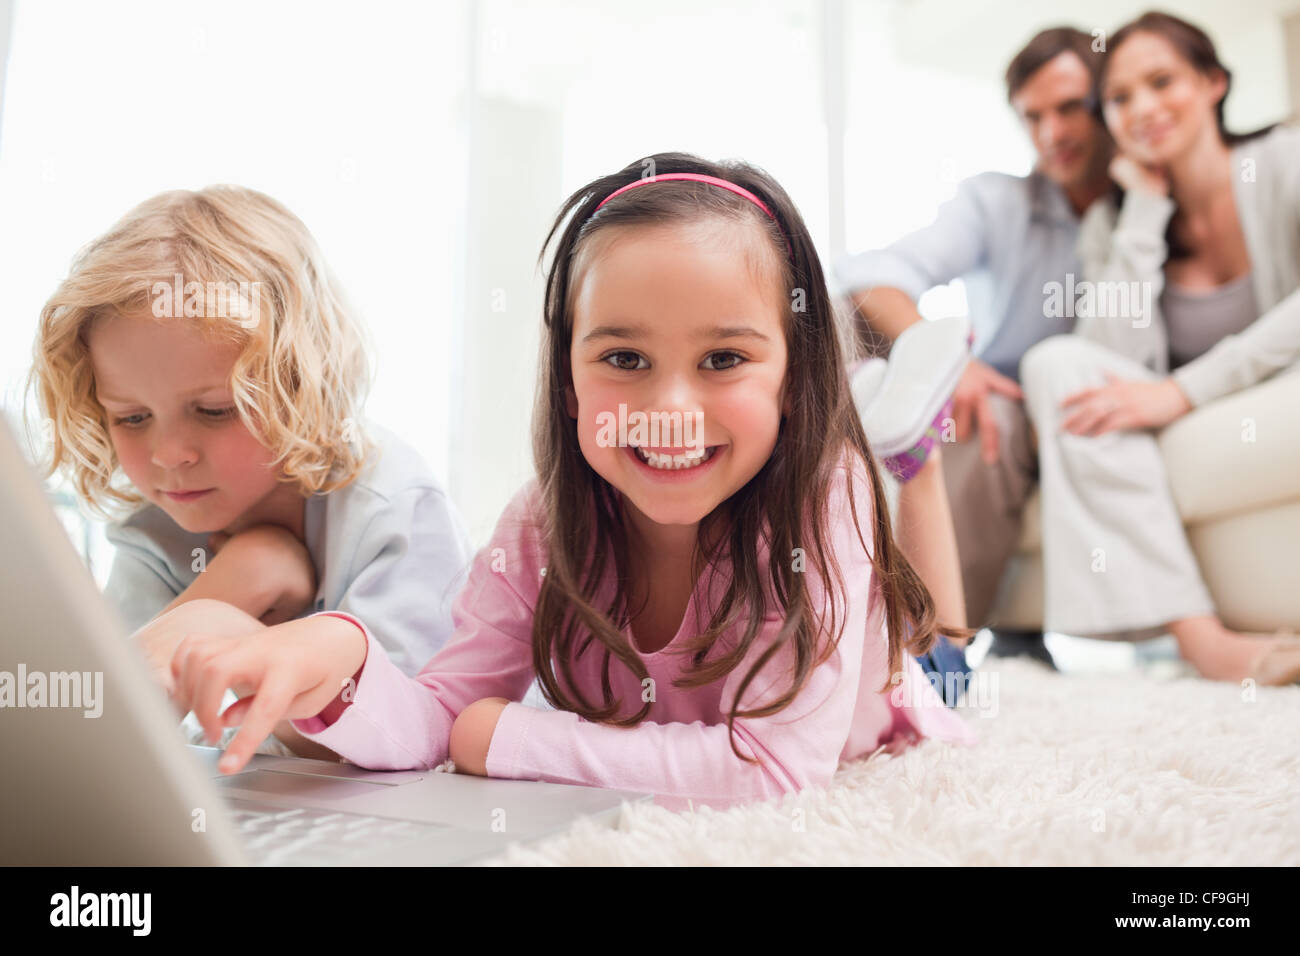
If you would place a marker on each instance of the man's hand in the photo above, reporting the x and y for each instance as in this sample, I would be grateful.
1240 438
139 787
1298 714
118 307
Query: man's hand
471 735
970 404
1119 404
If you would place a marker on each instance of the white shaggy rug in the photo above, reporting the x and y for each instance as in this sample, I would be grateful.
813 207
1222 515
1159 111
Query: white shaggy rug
1108 769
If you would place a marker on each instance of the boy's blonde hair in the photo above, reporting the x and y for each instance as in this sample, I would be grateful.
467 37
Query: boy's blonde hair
303 371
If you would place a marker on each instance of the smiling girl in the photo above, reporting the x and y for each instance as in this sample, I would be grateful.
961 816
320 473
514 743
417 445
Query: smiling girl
227 440
715 623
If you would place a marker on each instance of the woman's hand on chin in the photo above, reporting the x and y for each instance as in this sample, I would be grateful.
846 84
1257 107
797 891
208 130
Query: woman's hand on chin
1119 404
1133 176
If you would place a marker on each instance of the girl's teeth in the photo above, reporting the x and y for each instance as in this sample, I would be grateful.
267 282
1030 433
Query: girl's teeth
689 459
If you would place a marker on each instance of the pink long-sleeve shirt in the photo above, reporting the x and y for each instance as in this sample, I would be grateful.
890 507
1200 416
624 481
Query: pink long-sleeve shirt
681 751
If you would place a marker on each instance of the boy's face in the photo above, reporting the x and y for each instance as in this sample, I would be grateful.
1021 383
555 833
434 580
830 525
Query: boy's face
171 416
687 319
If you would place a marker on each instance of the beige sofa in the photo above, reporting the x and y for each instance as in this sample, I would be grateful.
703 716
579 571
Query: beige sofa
1240 503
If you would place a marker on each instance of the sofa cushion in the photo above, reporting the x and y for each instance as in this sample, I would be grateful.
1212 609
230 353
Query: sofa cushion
1238 454
1248 561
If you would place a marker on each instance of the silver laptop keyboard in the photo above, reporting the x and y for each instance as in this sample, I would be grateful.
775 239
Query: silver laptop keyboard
274 836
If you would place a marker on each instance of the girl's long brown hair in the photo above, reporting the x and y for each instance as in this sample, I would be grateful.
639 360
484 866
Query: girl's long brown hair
582 519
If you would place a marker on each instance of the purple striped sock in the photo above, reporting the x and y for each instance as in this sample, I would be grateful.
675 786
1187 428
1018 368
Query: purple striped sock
905 465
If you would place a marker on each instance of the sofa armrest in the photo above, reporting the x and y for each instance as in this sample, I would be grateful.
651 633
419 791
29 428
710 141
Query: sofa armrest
1237 454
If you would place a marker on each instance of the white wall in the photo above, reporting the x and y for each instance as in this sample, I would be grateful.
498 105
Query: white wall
6 20
515 171
1292 29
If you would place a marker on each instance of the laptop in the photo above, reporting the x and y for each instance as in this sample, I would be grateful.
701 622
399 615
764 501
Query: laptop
98 774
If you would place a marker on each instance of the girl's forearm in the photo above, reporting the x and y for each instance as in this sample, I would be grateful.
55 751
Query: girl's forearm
300 745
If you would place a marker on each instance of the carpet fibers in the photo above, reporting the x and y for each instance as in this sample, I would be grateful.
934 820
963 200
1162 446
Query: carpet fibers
1111 769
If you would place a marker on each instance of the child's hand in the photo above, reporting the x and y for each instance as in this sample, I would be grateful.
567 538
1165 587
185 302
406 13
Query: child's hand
471 735
203 617
289 671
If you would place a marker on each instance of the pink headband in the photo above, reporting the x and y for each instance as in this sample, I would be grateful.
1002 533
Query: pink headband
699 178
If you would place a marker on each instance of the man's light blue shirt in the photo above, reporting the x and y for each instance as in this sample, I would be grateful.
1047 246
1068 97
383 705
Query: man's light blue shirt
1005 237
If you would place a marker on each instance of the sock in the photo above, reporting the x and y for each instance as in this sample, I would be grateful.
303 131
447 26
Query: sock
905 465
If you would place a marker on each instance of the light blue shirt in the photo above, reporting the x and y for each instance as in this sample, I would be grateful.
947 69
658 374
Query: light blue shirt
388 548
1005 237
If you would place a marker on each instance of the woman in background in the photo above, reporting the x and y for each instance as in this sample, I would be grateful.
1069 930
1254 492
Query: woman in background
1206 231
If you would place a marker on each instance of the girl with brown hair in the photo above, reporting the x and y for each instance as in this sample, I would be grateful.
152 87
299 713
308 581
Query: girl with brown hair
719 613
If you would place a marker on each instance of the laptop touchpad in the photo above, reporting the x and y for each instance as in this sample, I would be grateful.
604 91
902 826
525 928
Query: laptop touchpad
298 785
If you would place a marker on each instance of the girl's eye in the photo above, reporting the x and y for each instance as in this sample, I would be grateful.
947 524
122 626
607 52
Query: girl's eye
129 420
618 360
1160 82
730 360
217 413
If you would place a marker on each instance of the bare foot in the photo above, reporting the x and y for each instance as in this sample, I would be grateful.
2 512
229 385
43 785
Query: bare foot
1280 663
1223 654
